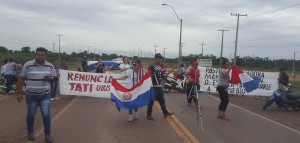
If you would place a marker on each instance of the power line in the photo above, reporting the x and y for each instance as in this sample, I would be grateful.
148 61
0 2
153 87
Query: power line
9 36
280 9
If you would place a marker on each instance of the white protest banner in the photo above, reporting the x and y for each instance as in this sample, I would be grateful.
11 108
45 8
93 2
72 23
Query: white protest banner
209 80
205 62
87 84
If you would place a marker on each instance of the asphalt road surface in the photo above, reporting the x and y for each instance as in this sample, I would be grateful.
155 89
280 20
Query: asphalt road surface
95 120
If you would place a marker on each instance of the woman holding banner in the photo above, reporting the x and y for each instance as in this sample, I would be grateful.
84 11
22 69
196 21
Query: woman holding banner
136 74
223 89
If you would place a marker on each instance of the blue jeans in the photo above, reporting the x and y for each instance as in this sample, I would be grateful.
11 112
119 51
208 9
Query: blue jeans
54 87
43 101
9 81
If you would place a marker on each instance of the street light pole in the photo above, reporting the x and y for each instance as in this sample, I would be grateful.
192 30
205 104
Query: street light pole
180 49
180 45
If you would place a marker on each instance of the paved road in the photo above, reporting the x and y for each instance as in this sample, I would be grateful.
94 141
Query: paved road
94 120
248 123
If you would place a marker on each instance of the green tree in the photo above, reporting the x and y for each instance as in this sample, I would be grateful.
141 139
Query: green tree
3 49
26 49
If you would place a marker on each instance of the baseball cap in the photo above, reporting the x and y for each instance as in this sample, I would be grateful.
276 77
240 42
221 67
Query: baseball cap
158 55
195 63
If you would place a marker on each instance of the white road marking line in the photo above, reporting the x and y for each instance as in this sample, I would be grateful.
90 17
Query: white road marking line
40 131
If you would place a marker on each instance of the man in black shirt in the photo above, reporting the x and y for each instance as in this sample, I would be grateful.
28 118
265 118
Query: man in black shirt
157 74
100 68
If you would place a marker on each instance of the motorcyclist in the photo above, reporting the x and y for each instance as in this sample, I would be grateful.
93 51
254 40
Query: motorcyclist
283 79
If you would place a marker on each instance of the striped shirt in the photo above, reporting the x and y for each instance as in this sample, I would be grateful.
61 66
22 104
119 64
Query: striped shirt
34 74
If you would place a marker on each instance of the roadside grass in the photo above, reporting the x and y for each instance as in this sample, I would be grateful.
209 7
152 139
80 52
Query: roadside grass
295 86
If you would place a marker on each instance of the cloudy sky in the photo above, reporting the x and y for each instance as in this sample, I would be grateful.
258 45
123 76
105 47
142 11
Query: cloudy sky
270 29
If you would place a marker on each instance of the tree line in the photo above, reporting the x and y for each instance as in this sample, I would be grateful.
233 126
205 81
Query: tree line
247 62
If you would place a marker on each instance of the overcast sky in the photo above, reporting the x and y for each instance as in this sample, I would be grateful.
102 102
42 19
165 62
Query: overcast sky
271 28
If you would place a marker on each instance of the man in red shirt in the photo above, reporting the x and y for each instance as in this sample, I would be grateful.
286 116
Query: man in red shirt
193 76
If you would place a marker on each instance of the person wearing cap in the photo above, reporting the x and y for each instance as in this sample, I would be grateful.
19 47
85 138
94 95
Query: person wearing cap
193 76
135 74
100 67
84 64
156 77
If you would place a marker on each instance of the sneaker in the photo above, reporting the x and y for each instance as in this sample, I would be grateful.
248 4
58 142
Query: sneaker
30 137
52 99
48 139
130 118
168 114
56 98
149 118
135 115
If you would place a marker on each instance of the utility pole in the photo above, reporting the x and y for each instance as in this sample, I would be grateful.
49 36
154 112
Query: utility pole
88 52
202 48
94 53
294 66
59 47
164 52
155 48
221 56
237 31
53 50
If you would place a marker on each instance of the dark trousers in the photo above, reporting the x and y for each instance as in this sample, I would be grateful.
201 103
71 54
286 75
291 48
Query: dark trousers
54 87
159 95
191 91
224 98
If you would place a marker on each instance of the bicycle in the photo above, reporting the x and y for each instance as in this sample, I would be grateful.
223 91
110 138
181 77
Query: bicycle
195 99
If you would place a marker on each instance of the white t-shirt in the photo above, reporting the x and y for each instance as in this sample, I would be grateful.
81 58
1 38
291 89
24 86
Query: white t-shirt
3 68
133 76
124 66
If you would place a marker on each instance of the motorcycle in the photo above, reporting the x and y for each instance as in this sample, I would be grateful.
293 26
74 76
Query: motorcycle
170 83
284 98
